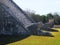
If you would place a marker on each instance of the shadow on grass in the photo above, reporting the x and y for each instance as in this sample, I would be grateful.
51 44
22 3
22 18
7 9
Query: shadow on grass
6 39
52 30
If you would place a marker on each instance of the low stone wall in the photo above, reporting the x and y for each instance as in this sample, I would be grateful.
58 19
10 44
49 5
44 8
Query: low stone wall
56 26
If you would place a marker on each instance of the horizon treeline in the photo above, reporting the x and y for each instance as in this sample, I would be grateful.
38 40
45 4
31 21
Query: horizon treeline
45 18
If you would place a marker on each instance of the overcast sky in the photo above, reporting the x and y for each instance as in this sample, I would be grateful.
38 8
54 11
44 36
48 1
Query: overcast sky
40 6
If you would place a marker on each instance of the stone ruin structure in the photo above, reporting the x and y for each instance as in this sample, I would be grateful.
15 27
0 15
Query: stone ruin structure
14 21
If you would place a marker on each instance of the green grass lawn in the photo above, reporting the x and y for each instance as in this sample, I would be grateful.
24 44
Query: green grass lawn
40 40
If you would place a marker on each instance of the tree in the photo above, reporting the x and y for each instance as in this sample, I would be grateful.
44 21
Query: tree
36 17
49 16
56 18
43 18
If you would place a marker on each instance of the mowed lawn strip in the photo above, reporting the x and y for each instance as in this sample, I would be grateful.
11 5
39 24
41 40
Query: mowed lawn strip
40 40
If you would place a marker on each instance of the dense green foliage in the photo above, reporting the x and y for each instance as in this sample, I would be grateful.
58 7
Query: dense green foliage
45 18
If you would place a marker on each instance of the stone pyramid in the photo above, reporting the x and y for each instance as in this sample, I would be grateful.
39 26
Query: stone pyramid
8 24
15 21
